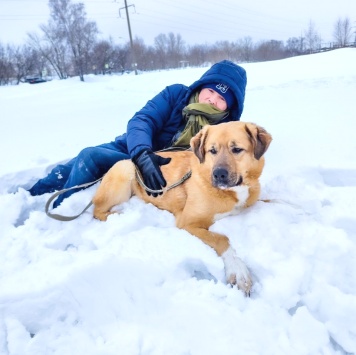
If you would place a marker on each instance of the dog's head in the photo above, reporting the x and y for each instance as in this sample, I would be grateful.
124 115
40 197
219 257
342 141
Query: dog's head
232 152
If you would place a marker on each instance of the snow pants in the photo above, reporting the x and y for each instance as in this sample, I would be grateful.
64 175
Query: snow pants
90 164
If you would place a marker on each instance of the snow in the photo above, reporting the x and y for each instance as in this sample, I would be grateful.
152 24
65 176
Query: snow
138 285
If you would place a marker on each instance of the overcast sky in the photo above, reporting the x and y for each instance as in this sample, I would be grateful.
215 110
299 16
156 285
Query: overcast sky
197 21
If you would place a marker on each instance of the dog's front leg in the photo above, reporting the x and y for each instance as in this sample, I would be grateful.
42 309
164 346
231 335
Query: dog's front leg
236 271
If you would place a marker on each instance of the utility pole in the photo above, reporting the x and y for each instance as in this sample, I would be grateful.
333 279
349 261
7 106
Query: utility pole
130 35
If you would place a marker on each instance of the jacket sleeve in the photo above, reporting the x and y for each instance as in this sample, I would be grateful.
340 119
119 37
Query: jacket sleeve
147 123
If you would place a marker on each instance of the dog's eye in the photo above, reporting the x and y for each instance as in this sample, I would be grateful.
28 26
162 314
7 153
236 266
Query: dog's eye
213 151
236 150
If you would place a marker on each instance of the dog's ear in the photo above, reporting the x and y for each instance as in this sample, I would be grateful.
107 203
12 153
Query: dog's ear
197 143
259 138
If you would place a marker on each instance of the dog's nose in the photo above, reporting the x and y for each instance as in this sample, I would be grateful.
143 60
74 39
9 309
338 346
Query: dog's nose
221 176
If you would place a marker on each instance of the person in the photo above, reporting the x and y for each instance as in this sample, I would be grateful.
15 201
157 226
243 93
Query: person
170 119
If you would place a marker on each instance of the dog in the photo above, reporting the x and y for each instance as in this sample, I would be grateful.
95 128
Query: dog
226 161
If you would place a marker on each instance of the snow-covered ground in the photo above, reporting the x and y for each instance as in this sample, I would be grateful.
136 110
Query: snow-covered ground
138 285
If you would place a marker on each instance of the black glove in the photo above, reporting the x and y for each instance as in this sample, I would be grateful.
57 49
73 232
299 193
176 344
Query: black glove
149 165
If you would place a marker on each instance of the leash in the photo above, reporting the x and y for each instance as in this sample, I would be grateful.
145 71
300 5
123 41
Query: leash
60 217
282 202
142 184
184 178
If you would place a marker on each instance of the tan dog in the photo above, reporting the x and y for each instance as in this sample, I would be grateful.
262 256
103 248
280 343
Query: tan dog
226 162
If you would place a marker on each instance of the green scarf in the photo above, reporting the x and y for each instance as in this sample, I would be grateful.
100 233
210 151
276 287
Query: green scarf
197 116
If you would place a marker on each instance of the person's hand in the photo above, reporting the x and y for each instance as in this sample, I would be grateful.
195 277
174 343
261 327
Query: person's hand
149 165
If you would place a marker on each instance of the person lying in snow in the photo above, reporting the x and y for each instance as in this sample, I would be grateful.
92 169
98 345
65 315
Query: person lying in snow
170 119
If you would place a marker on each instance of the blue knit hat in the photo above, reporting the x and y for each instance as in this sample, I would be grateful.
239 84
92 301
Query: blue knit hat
222 90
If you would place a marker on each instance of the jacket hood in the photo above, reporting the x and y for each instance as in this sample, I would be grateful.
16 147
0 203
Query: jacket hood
230 74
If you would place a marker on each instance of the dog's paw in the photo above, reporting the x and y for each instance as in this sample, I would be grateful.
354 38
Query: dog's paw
236 271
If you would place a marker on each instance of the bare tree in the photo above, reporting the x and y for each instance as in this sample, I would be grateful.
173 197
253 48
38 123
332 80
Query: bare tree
121 55
269 50
223 50
6 69
161 47
197 54
294 46
80 34
342 31
246 49
102 57
143 56
53 48
175 49
24 62
312 38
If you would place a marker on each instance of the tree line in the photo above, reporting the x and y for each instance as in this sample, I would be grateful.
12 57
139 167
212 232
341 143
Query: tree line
68 46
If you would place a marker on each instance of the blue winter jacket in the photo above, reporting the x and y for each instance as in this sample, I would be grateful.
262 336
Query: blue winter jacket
155 125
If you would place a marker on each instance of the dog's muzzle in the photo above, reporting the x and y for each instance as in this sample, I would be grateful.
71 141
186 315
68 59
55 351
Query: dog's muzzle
222 179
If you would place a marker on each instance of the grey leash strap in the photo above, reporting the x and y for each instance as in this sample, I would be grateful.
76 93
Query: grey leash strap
60 217
140 181
184 178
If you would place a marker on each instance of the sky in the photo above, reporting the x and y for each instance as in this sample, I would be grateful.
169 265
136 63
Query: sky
198 21
136 284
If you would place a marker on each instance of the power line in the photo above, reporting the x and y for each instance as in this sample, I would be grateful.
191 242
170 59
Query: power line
229 21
